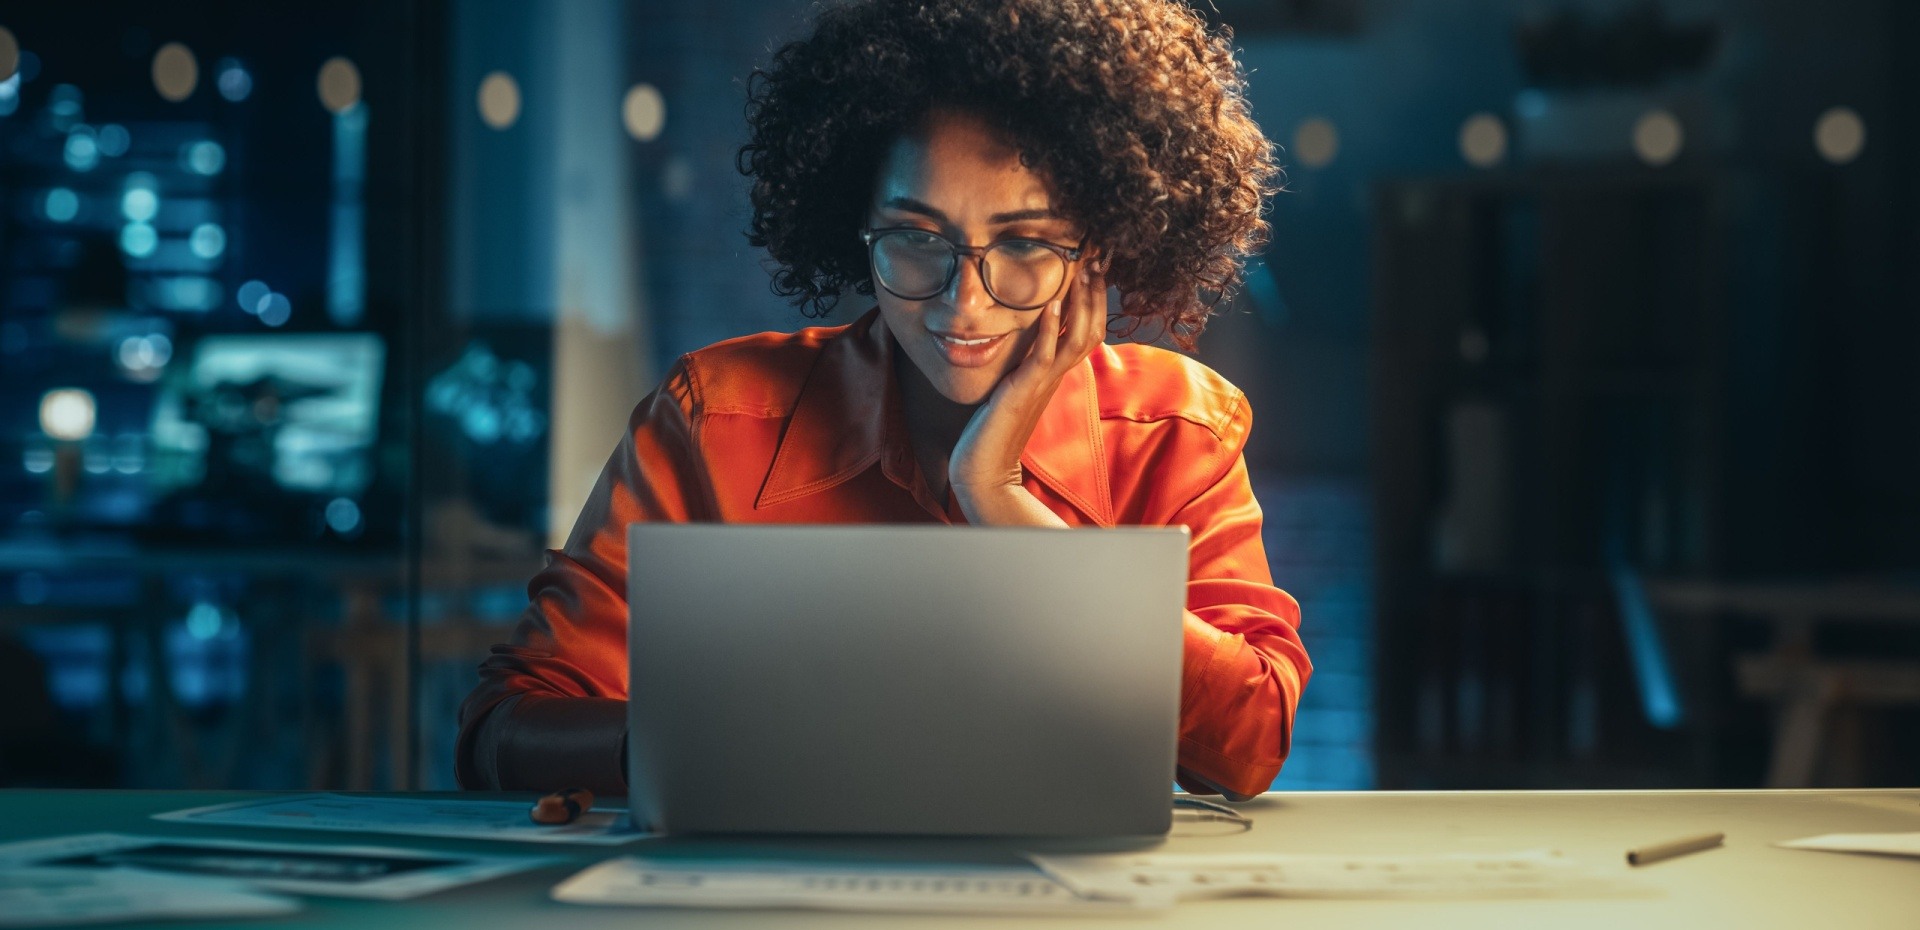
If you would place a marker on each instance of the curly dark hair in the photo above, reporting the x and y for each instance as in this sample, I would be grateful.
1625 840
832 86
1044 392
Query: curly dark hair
1131 110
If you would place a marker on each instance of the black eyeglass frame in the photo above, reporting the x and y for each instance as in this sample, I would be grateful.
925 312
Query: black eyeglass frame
978 253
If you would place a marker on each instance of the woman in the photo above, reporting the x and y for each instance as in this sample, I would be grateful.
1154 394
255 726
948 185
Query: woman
985 170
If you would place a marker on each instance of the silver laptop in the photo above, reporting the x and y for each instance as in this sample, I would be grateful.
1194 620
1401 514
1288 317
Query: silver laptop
904 679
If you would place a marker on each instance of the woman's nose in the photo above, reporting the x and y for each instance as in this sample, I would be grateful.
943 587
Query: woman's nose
967 292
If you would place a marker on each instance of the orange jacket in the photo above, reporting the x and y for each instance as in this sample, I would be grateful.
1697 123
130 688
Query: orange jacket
807 427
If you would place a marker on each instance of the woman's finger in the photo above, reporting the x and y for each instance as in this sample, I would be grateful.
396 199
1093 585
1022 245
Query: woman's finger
1097 315
1047 344
1088 299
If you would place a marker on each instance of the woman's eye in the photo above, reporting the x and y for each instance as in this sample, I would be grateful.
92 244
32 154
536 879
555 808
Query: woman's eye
1023 248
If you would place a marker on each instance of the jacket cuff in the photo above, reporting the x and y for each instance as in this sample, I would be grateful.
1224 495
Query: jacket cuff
548 742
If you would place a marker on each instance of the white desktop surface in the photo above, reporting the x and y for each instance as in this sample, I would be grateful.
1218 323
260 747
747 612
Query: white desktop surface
1747 884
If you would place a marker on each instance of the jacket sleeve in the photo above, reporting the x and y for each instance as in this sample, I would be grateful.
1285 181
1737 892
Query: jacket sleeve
1244 665
550 709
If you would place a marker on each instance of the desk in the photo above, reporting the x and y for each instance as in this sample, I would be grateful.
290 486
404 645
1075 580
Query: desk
1746 885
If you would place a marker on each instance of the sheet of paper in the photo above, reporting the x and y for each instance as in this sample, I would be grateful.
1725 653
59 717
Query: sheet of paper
336 871
955 889
1908 804
1887 844
460 819
61 897
1160 879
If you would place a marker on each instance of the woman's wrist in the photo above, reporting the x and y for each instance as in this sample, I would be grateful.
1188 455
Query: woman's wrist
1003 505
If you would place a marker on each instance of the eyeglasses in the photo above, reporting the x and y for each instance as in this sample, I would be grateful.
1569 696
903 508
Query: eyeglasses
1021 274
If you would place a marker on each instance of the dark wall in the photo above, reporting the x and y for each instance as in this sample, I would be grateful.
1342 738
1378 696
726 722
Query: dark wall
1820 325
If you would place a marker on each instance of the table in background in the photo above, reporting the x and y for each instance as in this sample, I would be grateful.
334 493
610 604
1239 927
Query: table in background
295 642
1748 884
1808 689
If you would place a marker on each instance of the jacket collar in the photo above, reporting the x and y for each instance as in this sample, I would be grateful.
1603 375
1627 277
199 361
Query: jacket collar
848 417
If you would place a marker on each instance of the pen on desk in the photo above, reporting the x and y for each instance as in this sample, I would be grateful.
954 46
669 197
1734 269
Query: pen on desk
1647 855
564 806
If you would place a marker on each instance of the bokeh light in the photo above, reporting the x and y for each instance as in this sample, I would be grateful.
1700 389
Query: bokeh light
1483 140
114 140
138 240
62 205
143 357
1316 142
139 204
65 106
339 85
161 347
204 157
343 516
233 80
207 241
9 53
1839 135
67 414
676 178
499 100
1658 138
175 72
644 112
82 152
275 309
130 453
204 621
251 295
189 292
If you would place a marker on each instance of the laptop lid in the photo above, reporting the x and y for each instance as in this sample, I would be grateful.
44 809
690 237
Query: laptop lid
904 679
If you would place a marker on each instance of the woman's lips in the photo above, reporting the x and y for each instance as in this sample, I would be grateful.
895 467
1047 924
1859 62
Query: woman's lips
962 355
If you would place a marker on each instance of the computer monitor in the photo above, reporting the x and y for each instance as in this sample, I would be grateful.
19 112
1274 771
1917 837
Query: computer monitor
904 679
254 423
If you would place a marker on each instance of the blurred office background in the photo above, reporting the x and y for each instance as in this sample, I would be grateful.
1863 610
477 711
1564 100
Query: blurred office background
1583 358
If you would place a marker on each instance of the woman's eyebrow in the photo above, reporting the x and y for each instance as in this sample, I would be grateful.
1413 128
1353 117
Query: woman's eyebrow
1044 213
914 206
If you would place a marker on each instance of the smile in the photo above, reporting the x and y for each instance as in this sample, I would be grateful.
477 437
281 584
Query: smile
977 352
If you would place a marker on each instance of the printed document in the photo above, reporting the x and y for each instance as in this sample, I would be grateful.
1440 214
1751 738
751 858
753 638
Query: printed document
1886 844
59 897
456 818
337 871
1160 879
907 888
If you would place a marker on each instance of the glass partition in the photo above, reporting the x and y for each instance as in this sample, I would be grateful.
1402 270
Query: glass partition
1582 380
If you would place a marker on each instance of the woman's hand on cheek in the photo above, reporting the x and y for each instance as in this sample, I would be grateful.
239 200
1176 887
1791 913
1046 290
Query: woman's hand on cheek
984 469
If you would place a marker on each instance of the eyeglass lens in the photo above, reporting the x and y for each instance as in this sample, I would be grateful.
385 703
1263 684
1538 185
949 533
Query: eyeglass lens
916 265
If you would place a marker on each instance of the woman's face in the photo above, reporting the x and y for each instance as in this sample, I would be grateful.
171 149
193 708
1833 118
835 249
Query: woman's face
957 178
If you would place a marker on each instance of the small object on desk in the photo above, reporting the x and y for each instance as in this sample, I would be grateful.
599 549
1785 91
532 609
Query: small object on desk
1648 855
563 806
1885 844
1203 811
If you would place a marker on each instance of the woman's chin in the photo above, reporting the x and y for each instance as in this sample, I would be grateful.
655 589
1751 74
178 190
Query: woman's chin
970 391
